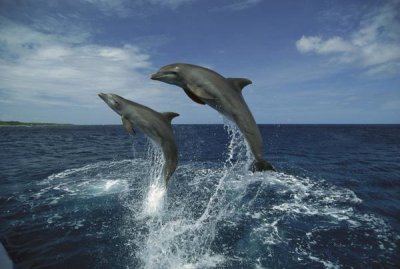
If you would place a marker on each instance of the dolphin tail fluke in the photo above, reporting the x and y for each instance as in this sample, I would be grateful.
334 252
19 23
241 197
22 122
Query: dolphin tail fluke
261 165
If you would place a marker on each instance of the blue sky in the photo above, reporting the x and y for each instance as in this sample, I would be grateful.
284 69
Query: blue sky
311 61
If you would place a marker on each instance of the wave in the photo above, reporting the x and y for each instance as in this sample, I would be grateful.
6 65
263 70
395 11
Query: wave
221 215
226 217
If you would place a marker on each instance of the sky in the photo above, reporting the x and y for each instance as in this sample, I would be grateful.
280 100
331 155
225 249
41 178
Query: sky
310 61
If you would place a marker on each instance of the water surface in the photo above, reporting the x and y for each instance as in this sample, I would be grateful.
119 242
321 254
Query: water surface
89 196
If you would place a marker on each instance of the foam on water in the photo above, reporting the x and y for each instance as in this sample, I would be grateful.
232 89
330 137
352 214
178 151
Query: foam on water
98 179
177 239
219 216
217 202
156 193
154 202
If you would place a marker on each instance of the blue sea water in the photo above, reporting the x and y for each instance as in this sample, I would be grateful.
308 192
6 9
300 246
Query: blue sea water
87 197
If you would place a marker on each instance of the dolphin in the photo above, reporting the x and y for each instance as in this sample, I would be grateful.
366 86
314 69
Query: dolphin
205 86
155 125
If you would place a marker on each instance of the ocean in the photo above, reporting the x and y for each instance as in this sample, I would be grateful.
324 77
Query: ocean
88 197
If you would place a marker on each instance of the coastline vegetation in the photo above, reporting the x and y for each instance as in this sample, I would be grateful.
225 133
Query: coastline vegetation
19 123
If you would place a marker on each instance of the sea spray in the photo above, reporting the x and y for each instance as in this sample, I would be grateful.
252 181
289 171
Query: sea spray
201 226
145 210
154 201
236 158
269 219
239 154
181 241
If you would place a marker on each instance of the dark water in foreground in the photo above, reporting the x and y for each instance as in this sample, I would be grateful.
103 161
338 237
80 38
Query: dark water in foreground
87 196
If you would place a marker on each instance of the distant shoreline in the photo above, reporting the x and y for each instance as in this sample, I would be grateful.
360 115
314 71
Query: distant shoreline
40 124
29 124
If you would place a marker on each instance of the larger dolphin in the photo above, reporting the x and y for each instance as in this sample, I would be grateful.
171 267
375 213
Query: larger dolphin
205 86
155 125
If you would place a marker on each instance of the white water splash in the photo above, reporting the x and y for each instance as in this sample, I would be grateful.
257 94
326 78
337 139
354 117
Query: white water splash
178 240
216 199
154 200
239 154
110 183
183 229
156 193
98 179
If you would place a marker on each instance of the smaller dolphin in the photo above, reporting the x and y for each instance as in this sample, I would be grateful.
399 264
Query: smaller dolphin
204 86
155 125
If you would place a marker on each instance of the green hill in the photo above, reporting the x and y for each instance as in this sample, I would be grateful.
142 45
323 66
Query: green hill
19 123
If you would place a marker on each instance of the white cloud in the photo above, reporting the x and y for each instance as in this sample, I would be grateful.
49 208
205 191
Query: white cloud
319 46
232 5
236 5
124 8
169 3
242 4
112 7
50 69
375 46
47 76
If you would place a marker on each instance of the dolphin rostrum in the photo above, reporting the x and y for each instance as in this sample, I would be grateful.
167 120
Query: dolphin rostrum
155 125
205 86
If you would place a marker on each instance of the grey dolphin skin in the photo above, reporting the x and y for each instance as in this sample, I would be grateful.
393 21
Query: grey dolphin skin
205 86
155 125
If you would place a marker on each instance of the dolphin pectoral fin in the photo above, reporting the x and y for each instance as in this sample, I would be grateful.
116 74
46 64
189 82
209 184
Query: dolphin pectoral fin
169 115
200 93
128 126
239 83
193 97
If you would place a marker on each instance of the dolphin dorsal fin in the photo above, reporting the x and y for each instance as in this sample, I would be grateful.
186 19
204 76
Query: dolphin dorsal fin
169 115
239 83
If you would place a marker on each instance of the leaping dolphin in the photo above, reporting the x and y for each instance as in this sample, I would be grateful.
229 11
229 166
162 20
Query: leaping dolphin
205 86
155 125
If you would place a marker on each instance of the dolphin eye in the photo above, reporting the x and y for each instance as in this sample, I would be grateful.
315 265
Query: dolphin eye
171 72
